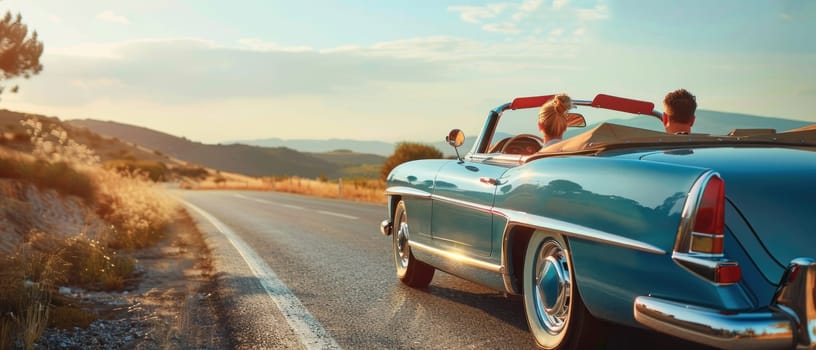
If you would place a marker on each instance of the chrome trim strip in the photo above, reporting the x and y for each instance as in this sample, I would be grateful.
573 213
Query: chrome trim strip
690 259
704 235
703 265
515 218
478 207
683 241
497 158
457 257
453 241
407 191
764 329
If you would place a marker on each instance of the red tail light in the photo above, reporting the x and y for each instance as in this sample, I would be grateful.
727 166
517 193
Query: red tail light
707 236
727 274
701 250
710 216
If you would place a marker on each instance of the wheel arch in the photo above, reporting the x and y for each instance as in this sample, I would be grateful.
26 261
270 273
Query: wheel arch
515 247
392 202
517 239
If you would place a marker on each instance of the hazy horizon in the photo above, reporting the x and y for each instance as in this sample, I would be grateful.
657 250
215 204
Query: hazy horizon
476 124
402 71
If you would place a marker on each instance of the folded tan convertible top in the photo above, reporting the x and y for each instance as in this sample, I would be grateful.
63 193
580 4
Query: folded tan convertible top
608 135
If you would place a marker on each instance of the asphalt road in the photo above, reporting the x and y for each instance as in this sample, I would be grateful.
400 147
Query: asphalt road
304 272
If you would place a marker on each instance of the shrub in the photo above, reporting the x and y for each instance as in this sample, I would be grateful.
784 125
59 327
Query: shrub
59 176
155 171
139 214
193 172
408 151
95 267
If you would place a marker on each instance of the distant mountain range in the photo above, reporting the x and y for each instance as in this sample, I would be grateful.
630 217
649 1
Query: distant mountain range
240 158
711 122
373 147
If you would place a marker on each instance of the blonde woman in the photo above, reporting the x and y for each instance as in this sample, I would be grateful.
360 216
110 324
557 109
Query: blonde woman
552 118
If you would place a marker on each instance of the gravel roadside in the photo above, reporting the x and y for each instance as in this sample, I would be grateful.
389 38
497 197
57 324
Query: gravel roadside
174 303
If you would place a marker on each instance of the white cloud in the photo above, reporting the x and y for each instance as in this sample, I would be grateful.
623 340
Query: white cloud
529 16
261 45
580 31
530 5
526 8
182 71
54 19
97 83
110 16
506 28
598 12
475 14
559 4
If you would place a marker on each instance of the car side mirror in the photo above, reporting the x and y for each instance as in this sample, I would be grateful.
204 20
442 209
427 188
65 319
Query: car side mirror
456 138
576 120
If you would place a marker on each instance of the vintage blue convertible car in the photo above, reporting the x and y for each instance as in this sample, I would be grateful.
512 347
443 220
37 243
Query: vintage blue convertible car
707 238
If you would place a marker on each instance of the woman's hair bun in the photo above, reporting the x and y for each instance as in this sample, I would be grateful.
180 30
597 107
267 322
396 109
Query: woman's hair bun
562 103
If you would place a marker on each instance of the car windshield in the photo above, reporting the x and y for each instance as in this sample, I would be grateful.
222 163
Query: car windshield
525 121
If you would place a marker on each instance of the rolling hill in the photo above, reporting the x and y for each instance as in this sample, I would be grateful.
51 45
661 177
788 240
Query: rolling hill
322 146
239 158
14 136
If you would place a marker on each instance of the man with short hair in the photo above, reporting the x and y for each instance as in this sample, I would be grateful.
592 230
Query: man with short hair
679 106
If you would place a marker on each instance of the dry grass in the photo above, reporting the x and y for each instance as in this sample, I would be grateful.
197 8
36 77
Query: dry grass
364 190
367 190
60 175
7 333
33 319
25 282
136 213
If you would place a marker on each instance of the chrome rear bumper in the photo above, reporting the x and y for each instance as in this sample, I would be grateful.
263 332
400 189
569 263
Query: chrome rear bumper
788 323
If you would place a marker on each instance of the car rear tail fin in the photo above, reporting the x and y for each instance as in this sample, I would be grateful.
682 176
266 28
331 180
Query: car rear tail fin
701 236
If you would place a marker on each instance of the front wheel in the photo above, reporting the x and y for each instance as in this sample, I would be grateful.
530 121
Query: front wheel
410 271
555 312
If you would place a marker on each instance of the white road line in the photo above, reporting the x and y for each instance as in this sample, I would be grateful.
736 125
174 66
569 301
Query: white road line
338 215
295 207
268 202
308 329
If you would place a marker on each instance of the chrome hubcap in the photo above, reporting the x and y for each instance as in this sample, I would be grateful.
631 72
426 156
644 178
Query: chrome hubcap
553 287
402 248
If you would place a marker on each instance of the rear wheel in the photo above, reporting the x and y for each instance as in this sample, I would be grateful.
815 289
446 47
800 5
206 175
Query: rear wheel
556 314
410 271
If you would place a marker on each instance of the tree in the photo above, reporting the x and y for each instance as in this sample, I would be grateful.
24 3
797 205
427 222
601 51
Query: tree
408 151
19 53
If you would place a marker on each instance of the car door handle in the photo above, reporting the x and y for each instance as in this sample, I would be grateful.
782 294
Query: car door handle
489 181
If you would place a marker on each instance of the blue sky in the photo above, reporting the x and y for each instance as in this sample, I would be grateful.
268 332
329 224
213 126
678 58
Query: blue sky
403 70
